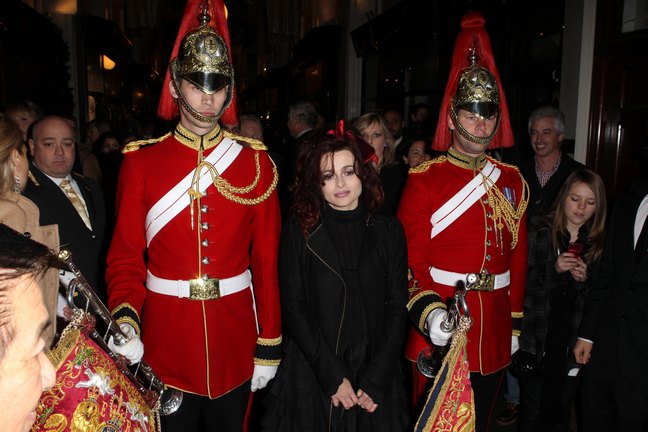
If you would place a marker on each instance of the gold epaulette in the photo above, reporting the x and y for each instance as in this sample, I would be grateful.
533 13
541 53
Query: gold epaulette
427 164
498 162
135 145
251 142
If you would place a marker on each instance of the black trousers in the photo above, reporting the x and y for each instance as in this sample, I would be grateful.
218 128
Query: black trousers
485 389
199 413
610 400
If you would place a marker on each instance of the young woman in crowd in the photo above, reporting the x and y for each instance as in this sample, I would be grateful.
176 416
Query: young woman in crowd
343 297
564 251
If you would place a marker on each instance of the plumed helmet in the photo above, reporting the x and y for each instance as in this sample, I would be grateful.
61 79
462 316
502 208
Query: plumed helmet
477 91
203 59
473 85
201 55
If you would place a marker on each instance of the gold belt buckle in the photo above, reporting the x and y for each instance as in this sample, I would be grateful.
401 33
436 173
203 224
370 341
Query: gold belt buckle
485 282
204 289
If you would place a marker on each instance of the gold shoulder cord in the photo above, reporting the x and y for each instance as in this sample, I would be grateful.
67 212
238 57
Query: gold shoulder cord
503 210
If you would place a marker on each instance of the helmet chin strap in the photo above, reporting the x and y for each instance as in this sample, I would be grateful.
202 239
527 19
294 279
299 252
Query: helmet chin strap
195 114
470 137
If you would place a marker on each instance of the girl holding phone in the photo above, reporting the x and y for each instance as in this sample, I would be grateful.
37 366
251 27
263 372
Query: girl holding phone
564 251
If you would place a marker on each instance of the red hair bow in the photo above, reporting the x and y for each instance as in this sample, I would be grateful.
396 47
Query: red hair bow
368 153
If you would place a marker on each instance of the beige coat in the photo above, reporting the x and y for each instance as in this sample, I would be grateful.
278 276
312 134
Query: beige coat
21 214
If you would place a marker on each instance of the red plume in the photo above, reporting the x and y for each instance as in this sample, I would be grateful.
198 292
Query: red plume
472 35
167 108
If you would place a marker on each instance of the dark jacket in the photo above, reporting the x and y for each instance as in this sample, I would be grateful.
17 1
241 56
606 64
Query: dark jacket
545 286
541 198
87 246
313 296
616 309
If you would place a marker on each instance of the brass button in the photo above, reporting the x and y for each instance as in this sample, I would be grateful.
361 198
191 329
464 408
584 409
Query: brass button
489 228
488 257
488 242
204 208
205 243
205 225
205 260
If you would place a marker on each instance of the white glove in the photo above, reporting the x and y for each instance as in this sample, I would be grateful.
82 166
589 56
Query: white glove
133 349
438 336
515 344
262 374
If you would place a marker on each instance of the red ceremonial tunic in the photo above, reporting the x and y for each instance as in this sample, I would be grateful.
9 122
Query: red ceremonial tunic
203 347
469 245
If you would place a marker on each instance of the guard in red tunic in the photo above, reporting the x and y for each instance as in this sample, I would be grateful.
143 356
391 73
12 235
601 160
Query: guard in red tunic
192 268
463 213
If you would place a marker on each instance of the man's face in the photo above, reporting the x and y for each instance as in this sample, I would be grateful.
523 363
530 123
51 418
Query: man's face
25 371
394 123
420 115
251 129
544 138
476 126
203 103
53 147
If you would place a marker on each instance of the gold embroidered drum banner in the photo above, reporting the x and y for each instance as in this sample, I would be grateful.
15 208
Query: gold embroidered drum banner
90 393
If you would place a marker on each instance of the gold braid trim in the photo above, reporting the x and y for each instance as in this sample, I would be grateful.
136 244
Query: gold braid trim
266 362
135 145
517 314
516 333
419 296
503 210
269 342
426 312
229 191
251 142
426 165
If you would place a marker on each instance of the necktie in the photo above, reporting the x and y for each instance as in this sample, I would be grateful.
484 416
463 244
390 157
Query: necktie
640 249
66 186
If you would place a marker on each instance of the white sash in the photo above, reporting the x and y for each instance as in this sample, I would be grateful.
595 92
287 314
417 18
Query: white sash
177 199
464 199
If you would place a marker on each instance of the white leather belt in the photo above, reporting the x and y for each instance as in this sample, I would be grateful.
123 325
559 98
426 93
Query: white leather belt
199 289
487 282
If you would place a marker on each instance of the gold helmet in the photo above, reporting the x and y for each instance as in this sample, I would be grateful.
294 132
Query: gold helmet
477 92
202 58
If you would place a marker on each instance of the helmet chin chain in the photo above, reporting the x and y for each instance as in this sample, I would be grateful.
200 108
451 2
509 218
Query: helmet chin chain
195 114
467 135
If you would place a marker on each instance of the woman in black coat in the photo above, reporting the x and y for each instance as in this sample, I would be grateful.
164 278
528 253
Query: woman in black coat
564 253
343 281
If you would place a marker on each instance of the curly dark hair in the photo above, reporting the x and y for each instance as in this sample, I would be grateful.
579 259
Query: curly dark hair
308 197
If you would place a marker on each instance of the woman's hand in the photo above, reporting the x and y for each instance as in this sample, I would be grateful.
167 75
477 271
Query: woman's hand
579 272
566 261
365 402
345 395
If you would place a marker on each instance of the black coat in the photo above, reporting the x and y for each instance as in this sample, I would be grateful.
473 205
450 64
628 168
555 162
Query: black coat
313 295
541 198
616 309
87 246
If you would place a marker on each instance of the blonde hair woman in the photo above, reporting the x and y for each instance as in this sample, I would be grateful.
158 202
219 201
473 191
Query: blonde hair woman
373 129
21 214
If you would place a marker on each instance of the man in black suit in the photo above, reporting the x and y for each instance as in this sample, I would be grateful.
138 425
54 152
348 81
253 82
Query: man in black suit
81 228
549 167
614 326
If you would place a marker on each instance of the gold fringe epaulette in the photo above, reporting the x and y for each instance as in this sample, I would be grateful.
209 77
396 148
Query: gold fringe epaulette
427 164
251 142
498 162
135 145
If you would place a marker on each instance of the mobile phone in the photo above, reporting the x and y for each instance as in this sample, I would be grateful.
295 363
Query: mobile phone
575 248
